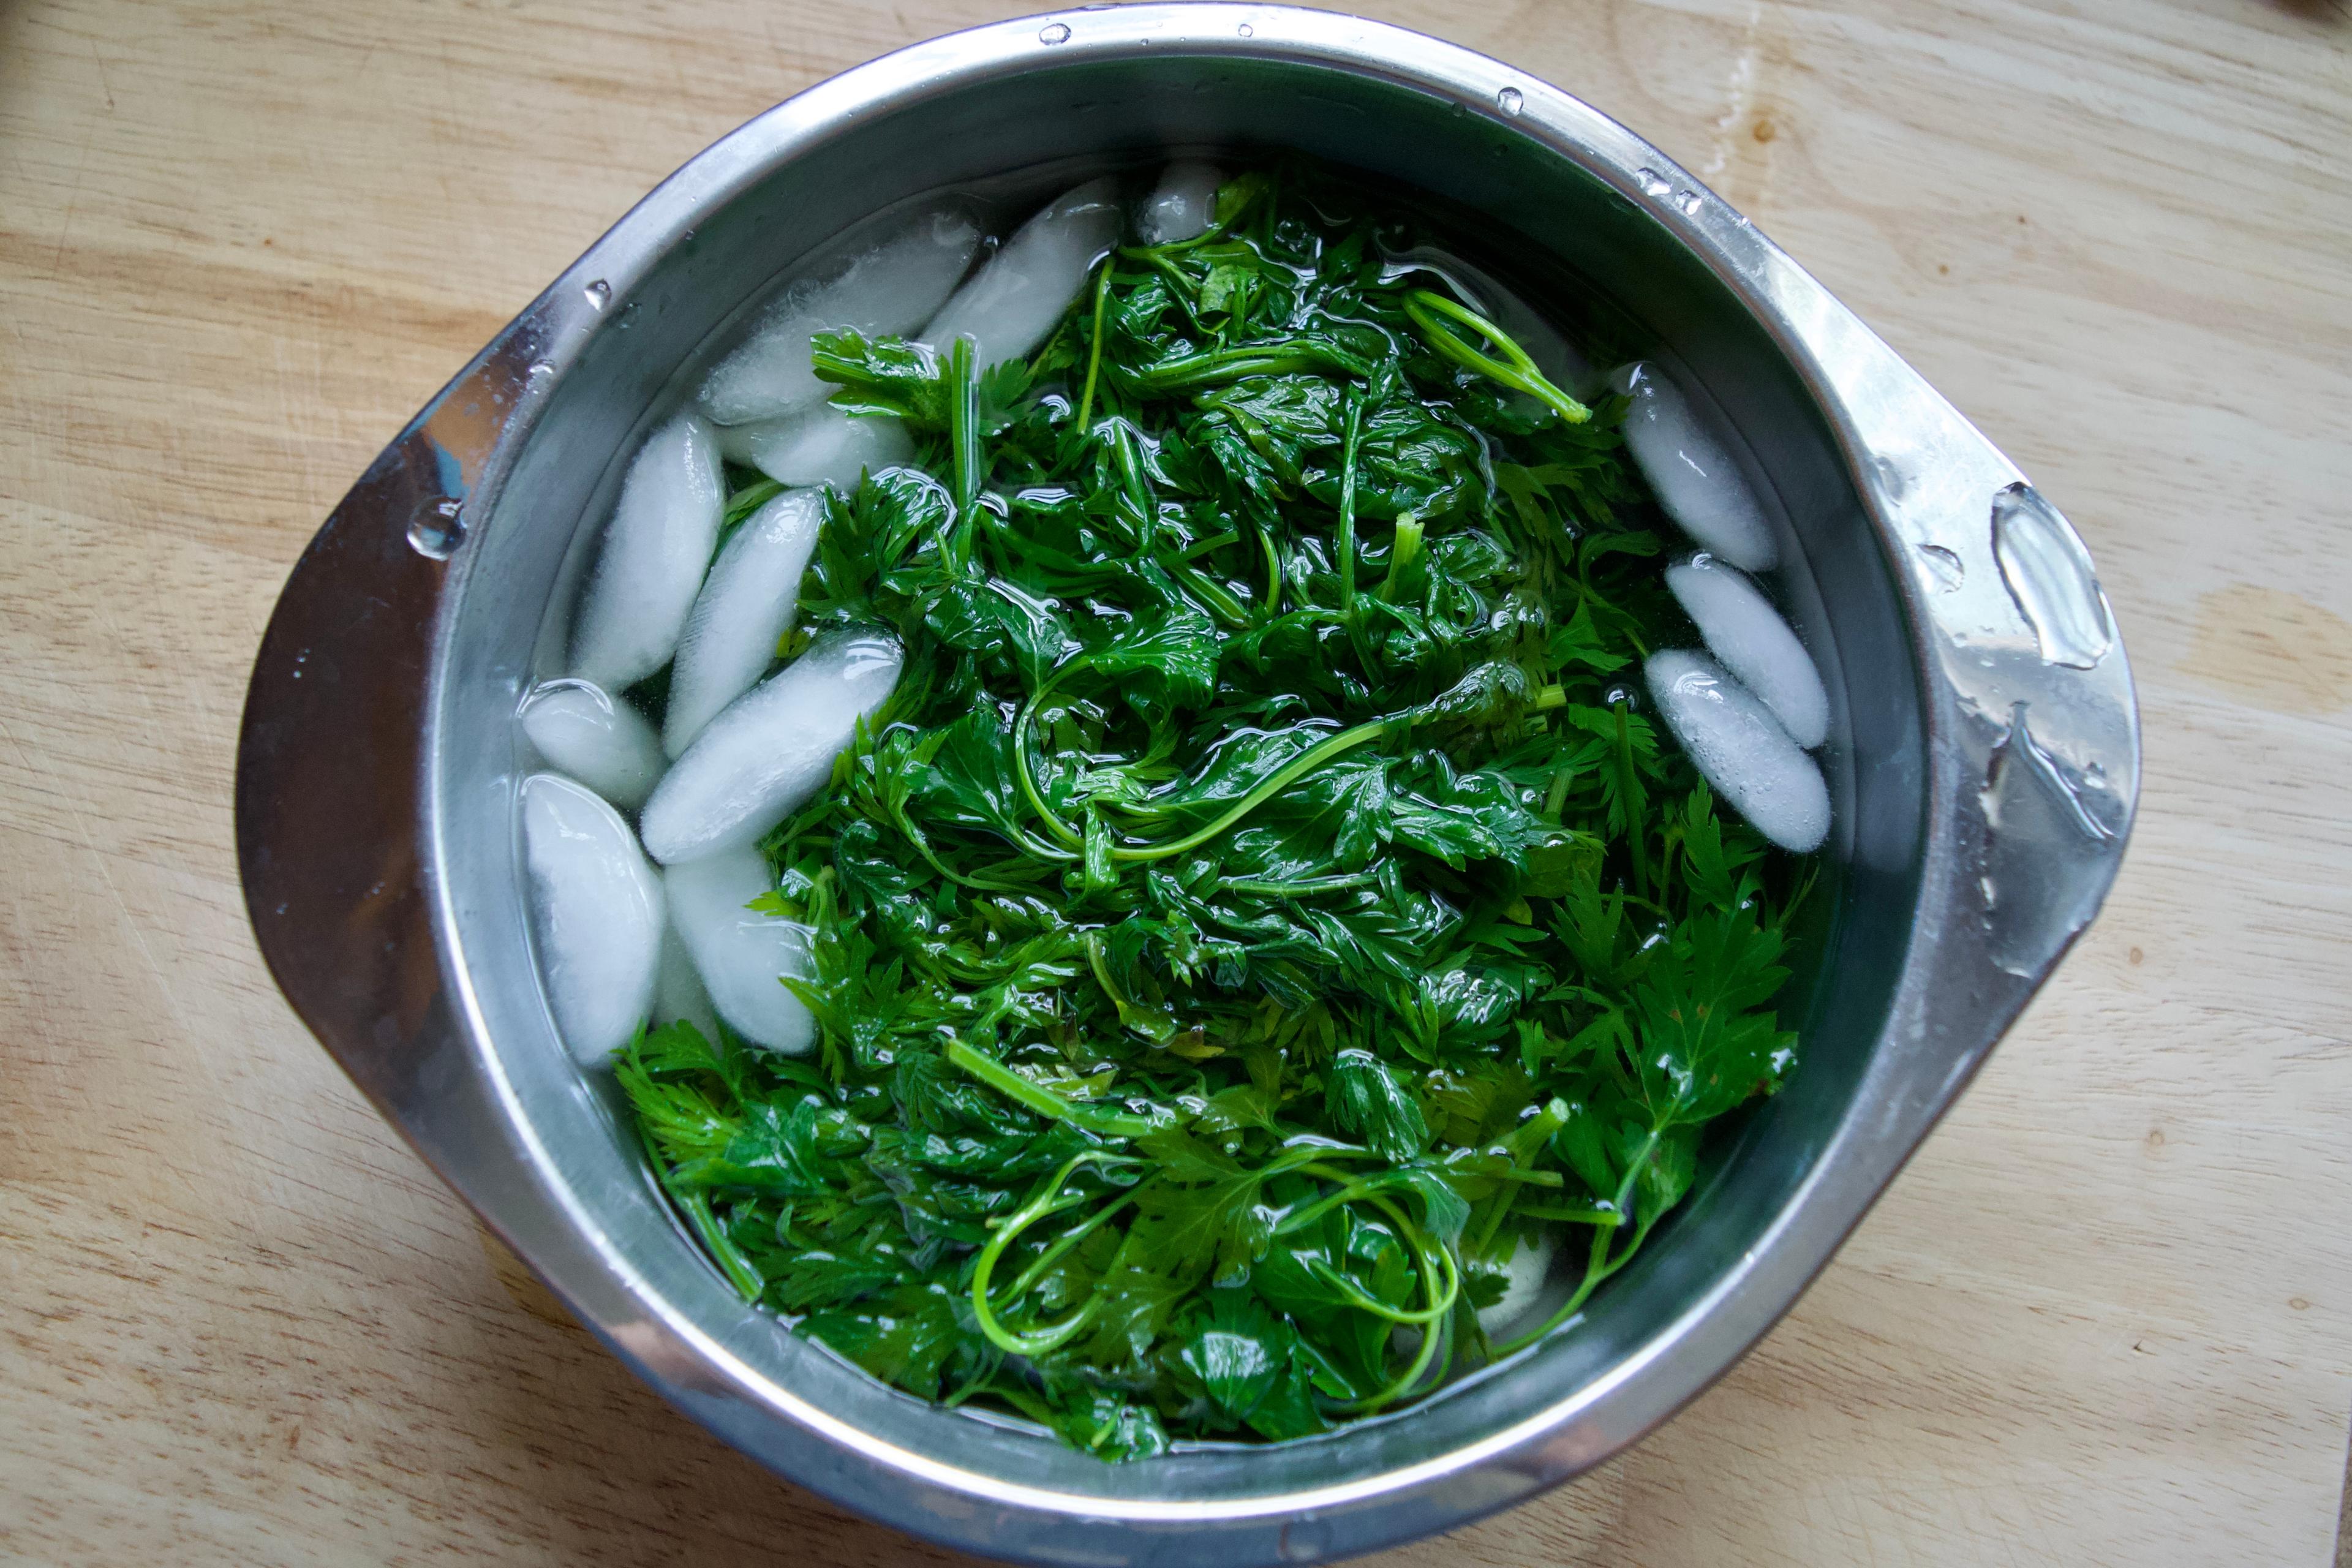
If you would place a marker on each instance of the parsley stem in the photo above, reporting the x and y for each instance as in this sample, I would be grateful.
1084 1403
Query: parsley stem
1402 555
1514 370
1301 888
1070 1238
1421 1249
731 1261
1049 1200
1021 772
1346 740
1632 798
1347 508
1094 355
1045 1102
963 438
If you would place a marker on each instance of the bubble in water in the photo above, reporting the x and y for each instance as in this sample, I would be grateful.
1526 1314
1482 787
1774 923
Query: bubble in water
1945 567
1690 202
1246 31
1054 33
436 530
1510 100
1651 184
599 293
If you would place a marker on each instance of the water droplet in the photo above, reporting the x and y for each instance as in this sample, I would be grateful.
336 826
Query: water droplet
540 371
1690 202
599 294
1510 100
1246 31
1304 1539
1945 567
1651 184
436 530
1054 33
2049 574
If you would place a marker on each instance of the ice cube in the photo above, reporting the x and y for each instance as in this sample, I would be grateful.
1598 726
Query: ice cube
890 290
819 445
741 954
655 551
771 748
1740 748
1525 1268
596 913
679 995
1181 205
1750 639
596 738
1696 476
746 604
1018 294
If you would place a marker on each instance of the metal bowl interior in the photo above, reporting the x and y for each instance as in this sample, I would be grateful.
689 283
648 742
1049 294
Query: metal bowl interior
1590 222
1539 217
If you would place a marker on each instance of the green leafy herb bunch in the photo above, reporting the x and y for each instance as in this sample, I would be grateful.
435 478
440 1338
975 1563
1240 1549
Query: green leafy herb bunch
1260 906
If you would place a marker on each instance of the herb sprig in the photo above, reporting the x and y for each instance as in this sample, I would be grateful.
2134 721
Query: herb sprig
1260 904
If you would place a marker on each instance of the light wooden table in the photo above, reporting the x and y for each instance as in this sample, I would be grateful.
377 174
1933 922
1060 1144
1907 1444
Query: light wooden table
2104 1318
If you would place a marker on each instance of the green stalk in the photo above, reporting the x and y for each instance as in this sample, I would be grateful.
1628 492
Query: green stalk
1347 508
1630 792
1514 370
1402 555
1062 830
1597 1264
1288 775
1045 1102
963 438
1304 886
1049 1200
731 1261
1220 367
1094 355
1272 575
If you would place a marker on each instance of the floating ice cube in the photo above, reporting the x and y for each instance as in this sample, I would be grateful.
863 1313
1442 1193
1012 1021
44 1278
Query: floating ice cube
1529 1262
890 290
652 559
1741 748
1697 480
1181 205
770 749
739 954
1527 326
679 995
746 604
596 910
819 445
1748 636
1015 298
596 738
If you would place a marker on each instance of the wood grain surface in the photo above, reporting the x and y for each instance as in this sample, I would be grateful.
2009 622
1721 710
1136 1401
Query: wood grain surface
2104 1318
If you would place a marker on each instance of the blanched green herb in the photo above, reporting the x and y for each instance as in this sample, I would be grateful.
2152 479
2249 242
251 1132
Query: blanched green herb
1258 905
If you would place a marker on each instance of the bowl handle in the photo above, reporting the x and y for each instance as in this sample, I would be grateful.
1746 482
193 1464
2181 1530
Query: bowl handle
2032 725
329 770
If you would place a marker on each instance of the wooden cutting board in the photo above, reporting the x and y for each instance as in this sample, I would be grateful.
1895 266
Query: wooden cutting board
2104 1318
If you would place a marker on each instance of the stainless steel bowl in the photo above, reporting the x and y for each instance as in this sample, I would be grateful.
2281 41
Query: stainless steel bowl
1984 762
